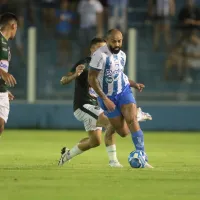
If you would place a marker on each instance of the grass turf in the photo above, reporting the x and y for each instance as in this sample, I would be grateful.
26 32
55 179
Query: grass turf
28 168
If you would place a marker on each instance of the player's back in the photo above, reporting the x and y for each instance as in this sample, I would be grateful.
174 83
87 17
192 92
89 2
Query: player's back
111 66
82 89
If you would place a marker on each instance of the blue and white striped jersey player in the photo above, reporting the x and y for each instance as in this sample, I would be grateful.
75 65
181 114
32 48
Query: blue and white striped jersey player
107 78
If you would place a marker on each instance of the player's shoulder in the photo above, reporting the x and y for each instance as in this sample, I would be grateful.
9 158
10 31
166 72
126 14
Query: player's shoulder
83 61
102 51
122 54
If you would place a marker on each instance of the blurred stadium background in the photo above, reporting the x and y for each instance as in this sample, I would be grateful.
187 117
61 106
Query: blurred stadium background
49 41
47 46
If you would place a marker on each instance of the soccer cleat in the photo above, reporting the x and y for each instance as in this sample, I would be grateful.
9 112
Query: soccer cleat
142 116
147 165
64 156
115 163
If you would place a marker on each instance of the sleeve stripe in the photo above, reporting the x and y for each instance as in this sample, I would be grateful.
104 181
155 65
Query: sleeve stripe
92 68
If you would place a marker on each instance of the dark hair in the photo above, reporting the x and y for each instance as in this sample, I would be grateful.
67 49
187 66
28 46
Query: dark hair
96 40
109 32
5 18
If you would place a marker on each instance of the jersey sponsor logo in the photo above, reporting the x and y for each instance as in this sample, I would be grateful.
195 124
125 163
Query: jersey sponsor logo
112 75
115 57
109 79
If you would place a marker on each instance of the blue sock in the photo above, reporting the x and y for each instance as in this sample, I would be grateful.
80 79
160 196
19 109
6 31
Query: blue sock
138 140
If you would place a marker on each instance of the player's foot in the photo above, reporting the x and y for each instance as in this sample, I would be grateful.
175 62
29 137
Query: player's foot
147 165
115 163
142 116
64 156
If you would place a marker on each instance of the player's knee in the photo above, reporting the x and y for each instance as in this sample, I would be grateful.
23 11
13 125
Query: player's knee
132 120
95 142
122 132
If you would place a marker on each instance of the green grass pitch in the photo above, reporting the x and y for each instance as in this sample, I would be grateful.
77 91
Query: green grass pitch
29 171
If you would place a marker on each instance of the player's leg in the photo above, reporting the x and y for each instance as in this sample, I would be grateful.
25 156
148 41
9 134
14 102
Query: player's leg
93 140
127 105
88 115
4 110
2 123
129 112
109 140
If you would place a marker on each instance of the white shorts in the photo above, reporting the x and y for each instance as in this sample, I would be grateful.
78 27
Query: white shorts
4 106
89 115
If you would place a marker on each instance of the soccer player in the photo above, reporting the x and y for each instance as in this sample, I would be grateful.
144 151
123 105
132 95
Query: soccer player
86 109
8 28
107 78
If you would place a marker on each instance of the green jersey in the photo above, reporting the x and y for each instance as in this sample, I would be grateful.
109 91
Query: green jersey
5 57
82 93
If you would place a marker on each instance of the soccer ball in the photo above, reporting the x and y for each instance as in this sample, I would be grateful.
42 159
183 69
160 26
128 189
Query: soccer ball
137 159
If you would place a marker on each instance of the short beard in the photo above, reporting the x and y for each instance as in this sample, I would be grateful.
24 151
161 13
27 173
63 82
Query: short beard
114 50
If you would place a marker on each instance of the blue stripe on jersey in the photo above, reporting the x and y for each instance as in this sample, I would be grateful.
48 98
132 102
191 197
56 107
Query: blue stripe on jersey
105 84
122 81
115 87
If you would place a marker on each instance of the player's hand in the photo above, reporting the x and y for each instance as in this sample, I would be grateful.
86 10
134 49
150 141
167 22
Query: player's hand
8 78
109 104
139 86
79 69
10 96
63 80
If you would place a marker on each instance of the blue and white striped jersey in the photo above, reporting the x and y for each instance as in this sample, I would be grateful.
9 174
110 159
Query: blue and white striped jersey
111 66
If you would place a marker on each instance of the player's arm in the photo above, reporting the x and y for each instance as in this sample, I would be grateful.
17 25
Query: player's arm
138 86
8 78
72 75
10 96
94 83
96 65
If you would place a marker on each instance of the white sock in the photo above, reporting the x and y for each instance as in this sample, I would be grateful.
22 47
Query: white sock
112 153
75 151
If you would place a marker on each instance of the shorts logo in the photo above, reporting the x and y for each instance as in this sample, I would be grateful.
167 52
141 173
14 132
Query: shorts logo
97 107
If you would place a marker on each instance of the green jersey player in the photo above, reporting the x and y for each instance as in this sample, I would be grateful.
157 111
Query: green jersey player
8 28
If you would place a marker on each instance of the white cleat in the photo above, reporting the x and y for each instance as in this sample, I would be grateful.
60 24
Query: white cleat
115 163
64 156
142 116
147 165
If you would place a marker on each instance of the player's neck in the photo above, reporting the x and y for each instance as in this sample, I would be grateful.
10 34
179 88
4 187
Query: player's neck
5 34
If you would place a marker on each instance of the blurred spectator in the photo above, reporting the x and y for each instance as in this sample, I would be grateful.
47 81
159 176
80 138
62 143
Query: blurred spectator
175 60
65 18
161 11
189 19
192 56
117 14
48 11
91 22
105 13
3 6
184 57
30 12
